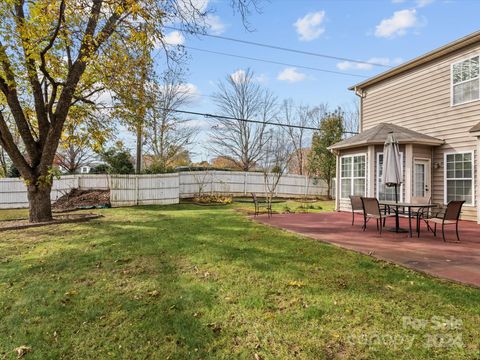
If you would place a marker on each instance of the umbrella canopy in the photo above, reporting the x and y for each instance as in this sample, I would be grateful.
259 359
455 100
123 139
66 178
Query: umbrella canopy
392 168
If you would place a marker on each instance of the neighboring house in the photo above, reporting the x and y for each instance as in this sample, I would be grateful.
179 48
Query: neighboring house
432 104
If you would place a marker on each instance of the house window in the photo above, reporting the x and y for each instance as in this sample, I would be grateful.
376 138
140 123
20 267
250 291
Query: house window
465 81
352 175
387 193
459 177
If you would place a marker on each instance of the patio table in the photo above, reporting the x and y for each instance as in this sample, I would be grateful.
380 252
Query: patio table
409 206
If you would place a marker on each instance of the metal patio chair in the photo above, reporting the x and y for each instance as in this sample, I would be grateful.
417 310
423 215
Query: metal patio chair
261 204
450 216
372 210
357 206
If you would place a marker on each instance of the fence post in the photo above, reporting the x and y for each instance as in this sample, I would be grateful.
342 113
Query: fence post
136 189
245 180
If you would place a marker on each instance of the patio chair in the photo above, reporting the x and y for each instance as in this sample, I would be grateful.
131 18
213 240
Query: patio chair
450 216
259 204
371 210
357 206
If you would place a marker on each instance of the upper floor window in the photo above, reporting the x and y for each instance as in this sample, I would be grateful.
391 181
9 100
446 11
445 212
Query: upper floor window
465 81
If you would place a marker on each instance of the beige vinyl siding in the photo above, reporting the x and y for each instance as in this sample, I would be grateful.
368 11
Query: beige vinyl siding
420 100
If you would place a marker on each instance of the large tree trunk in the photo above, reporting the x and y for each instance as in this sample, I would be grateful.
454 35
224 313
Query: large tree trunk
39 203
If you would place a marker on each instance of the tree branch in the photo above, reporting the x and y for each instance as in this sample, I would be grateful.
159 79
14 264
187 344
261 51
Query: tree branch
43 123
8 143
9 89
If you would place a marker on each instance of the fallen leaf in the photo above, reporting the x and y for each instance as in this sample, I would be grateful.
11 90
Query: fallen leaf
22 351
154 293
296 283
258 357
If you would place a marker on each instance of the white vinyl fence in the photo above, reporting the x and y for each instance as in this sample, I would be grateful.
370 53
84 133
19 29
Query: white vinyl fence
128 190
244 183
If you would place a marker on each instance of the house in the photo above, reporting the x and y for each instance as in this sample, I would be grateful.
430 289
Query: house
432 105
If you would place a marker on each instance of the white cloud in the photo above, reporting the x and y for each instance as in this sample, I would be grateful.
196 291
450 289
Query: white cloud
419 3
174 38
398 24
239 76
349 65
262 78
291 74
191 90
311 26
216 26
423 3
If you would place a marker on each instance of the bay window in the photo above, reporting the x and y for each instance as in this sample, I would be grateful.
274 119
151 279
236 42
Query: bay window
352 175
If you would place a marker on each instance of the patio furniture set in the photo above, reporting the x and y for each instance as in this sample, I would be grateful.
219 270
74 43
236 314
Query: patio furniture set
420 210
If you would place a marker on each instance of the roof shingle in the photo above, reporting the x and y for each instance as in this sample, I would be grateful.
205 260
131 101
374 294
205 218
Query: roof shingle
378 134
476 128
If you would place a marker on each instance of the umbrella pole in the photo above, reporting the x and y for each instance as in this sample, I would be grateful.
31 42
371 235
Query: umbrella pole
397 220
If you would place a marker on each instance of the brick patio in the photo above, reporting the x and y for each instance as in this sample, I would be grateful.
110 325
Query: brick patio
455 261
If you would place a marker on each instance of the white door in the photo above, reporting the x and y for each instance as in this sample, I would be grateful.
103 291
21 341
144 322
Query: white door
422 178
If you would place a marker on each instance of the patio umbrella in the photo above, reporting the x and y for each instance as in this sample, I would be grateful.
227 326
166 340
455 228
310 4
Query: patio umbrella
392 168
392 171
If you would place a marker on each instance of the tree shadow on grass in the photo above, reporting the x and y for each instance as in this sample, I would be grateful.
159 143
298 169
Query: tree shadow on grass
136 285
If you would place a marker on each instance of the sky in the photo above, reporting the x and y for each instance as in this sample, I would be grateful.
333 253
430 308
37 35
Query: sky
386 32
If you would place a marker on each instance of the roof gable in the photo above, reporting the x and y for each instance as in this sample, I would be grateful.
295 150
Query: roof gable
449 48
378 134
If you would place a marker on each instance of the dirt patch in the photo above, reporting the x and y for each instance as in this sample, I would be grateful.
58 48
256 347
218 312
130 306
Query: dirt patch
57 219
83 199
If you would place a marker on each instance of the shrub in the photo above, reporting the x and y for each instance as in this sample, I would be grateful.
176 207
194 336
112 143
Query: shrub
213 199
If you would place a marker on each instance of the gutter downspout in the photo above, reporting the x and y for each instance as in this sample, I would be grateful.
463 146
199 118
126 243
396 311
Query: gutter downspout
361 94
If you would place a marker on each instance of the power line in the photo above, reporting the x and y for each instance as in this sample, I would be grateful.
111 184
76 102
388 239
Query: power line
272 62
278 47
207 115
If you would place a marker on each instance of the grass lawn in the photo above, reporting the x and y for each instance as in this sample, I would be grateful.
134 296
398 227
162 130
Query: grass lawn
285 206
192 282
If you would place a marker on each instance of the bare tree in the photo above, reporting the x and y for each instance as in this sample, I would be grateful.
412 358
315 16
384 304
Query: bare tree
168 133
351 118
72 157
241 97
86 130
301 116
276 160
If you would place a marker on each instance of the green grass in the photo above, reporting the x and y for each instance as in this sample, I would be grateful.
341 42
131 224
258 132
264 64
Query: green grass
286 206
190 282
13 214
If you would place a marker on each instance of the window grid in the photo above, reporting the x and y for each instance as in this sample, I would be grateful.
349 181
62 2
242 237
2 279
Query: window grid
465 77
459 183
353 175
